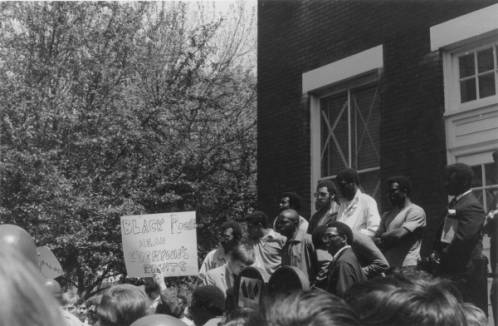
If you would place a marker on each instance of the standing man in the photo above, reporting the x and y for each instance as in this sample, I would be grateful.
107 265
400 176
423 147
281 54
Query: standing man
325 204
231 234
400 233
266 243
460 240
356 209
298 251
293 201
345 269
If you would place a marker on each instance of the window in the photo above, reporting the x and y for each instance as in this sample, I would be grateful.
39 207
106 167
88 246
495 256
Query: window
478 73
485 185
350 134
345 118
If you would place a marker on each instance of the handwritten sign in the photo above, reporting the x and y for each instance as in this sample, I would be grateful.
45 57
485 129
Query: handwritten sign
49 265
164 243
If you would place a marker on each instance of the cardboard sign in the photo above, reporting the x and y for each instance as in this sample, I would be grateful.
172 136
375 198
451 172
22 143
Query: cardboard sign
449 229
49 265
165 243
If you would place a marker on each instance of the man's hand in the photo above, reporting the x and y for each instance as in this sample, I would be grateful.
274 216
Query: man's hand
159 279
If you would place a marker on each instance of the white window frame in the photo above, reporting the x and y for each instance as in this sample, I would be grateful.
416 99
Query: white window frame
451 72
454 37
334 77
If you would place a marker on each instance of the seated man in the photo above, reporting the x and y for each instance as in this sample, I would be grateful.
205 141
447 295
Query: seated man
266 243
223 277
298 251
345 269
231 234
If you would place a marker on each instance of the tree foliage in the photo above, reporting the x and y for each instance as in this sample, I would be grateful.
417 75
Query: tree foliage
111 109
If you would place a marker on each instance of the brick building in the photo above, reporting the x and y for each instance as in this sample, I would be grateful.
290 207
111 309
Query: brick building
386 87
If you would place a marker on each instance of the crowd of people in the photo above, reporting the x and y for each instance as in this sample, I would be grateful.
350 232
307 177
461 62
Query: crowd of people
355 266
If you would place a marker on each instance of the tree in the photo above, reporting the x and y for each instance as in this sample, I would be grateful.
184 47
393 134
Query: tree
112 109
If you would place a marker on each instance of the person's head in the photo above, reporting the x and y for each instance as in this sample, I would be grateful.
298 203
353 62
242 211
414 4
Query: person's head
290 200
325 194
287 222
312 308
381 303
121 305
257 221
336 236
348 182
19 240
152 289
398 189
474 315
458 178
231 234
240 257
318 235
207 302
24 298
158 320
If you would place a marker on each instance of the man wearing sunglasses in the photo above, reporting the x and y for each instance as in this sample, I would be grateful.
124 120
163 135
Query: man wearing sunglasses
345 269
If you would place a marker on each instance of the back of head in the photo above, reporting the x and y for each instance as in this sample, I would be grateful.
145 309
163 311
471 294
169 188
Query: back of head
237 230
348 175
24 298
312 308
158 320
317 236
20 240
258 217
463 173
381 303
207 302
121 305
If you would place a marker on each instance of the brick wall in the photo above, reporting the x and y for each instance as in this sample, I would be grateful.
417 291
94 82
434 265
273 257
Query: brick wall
297 36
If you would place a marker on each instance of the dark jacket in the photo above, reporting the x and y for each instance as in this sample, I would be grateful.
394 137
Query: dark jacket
462 260
457 258
344 271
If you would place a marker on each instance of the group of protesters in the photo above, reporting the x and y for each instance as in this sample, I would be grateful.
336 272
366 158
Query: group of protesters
353 266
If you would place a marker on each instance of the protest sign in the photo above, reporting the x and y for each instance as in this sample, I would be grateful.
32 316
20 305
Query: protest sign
165 243
49 265
250 288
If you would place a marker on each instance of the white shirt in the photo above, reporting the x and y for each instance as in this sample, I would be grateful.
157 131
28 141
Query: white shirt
360 214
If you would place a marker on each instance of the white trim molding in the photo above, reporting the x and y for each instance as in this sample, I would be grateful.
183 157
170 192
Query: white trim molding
475 24
364 67
343 69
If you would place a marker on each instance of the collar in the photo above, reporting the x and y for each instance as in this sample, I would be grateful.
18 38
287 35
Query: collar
458 197
298 237
339 252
